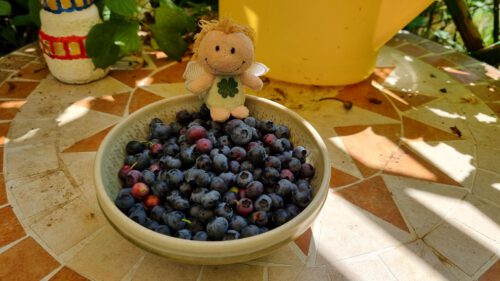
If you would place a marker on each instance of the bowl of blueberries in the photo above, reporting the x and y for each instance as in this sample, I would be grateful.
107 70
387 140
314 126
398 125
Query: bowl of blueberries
180 185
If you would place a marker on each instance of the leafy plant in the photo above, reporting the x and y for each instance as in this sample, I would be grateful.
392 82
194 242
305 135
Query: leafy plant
19 21
164 25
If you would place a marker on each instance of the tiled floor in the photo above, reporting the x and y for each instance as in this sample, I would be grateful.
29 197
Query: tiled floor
415 188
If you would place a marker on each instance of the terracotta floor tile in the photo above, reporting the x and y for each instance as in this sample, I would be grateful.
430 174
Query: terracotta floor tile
495 107
405 101
4 75
142 98
89 144
4 128
464 76
364 95
487 93
433 47
14 62
413 50
405 162
373 196
459 58
9 109
3 191
339 178
171 74
438 61
492 274
26 261
304 241
67 274
17 89
130 77
159 58
10 228
114 104
33 71
381 73
484 71
370 146
1 158
416 130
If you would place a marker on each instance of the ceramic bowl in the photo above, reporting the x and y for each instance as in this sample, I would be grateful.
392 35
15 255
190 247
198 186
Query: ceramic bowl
110 158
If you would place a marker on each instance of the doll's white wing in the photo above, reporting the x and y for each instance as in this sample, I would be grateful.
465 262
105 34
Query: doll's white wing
258 69
193 71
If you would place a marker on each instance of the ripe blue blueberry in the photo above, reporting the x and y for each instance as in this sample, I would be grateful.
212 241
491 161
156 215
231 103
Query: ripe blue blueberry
218 184
254 189
204 162
280 216
241 135
238 223
175 219
200 236
183 234
223 210
282 132
163 229
217 228
249 230
124 201
210 199
220 163
157 212
231 234
243 178
263 203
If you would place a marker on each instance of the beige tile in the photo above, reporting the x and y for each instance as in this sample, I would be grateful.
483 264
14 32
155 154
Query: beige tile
66 274
462 246
388 57
423 204
157 268
369 268
32 131
318 273
419 263
167 90
232 272
348 231
78 166
284 255
486 135
283 273
29 160
461 169
487 186
77 123
479 216
107 257
68 225
37 194
487 158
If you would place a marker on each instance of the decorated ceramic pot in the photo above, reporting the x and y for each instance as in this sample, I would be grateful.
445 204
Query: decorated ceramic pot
65 25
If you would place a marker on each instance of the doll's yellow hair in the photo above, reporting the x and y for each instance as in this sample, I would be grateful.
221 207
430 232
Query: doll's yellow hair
225 25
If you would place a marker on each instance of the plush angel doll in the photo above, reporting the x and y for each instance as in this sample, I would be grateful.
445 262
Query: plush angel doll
223 62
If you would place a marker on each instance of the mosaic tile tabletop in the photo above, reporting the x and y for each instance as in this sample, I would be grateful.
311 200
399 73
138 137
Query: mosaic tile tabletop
415 188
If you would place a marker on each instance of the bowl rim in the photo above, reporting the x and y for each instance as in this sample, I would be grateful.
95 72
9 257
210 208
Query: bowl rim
206 249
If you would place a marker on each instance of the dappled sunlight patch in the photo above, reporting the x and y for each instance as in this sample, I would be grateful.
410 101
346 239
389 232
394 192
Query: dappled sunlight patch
71 114
484 118
445 114
30 134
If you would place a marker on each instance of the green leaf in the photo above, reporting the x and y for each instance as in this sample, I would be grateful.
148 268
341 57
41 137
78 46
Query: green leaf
5 8
100 45
9 35
127 37
169 41
21 20
126 8
171 16
34 8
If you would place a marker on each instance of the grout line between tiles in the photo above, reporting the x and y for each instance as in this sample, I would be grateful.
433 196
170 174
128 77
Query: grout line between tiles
52 273
12 244
130 274
200 274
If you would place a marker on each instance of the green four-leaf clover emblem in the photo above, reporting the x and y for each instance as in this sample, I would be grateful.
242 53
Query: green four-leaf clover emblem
227 87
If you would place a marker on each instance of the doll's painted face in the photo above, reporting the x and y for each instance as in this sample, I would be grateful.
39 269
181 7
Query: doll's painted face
225 54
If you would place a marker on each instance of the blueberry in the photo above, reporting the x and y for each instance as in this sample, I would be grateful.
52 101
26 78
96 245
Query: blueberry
125 190
231 125
228 178
280 216
243 178
200 236
231 234
249 230
195 225
254 189
157 213
241 135
129 160
302 197
175 219
306 171
223 210
300 153
124 201
246 166
263 203
138 214
224 141
218 184
234 166
195 132
163 229
238 153
277 201
225 150
282 131
204 162
177 202
204 145
210 199
256 135
292 209
230 198
220 163
176 127
133 177
183 117
259 218
257 155
267 126
285 188
244 207
175 177
151 224
285 157
268 139
203 179
250 121
171 149
287 174
294 165
135 147
238 223
205 215
197 194
183 234
187 156
273 162
160 188
263 229
217 228
195 210
270 176
142 160
191 174
257 174
155 121
278 146
160 131
185 189
148 177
